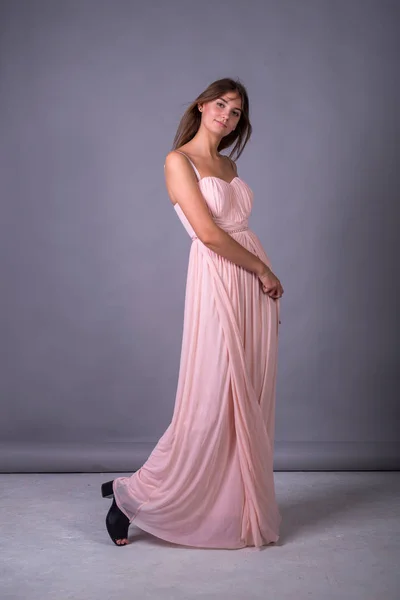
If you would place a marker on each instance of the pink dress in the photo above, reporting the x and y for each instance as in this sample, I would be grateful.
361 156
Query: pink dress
209 481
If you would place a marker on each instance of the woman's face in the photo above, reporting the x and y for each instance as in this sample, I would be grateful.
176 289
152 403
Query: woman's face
223 114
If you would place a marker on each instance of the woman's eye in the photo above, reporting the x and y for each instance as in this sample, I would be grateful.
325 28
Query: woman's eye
223 106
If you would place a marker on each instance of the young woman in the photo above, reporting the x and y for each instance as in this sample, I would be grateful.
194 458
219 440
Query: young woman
209 481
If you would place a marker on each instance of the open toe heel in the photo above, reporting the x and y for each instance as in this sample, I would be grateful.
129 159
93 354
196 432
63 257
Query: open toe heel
107 489
117 524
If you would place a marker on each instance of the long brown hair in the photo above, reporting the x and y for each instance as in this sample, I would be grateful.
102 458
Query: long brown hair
190 122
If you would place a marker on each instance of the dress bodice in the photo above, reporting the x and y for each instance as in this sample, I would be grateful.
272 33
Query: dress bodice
229 203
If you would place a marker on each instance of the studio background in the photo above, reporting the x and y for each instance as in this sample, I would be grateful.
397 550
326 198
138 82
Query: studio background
94 259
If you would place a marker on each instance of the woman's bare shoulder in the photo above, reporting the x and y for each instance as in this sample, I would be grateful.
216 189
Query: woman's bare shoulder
174 159
233 164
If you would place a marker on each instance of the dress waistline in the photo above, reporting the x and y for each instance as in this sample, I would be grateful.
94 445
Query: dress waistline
236 230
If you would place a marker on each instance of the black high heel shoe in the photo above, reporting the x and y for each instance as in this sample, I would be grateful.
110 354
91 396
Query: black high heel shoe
107 489
117 524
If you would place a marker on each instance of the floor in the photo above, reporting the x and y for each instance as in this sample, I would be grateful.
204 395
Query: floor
339 540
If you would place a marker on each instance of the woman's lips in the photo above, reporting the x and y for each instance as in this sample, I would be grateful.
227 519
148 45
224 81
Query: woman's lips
222 124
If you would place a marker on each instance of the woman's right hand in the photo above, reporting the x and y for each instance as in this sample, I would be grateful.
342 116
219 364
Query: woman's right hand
270 283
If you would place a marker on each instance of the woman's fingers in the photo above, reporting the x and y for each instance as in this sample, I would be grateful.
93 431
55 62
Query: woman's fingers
269 290
274 291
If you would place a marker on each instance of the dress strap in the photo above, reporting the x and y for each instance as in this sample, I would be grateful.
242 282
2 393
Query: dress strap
191 162
233 164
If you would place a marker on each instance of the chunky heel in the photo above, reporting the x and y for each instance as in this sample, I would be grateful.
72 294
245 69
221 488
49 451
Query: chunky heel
107 489
117 524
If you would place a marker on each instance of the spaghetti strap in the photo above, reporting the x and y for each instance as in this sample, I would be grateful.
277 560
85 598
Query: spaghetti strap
191 162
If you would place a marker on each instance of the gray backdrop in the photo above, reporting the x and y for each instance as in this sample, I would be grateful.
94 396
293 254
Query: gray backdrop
94 259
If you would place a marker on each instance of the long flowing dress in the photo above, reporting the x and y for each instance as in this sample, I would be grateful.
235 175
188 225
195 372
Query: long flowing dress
209 481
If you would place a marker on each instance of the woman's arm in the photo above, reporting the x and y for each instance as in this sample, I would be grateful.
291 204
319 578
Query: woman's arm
183 188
